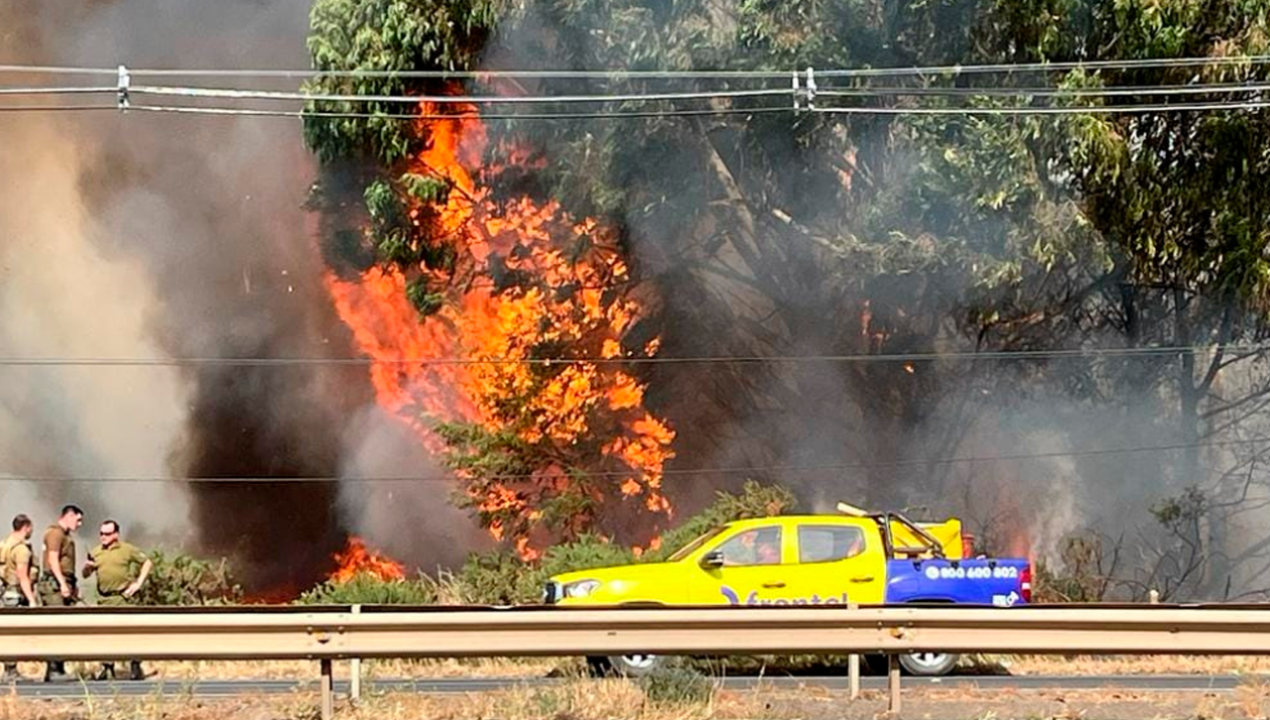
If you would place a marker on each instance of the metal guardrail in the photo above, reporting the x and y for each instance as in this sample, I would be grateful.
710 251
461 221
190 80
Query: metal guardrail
328 634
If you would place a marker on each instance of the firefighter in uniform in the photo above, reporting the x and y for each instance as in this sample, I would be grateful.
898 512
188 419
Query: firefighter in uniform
57 581
18 574
121 571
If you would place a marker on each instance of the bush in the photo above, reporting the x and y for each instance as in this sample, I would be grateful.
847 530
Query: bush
181 579
369 589
754 501
501 578
676 685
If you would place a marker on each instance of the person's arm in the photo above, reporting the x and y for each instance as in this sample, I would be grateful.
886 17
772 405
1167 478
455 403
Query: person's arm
135 587
53 559
90 565
24 580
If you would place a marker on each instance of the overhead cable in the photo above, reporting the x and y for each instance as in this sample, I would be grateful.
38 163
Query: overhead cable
614 73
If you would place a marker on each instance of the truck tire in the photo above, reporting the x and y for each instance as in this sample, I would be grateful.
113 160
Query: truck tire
928 664
631 666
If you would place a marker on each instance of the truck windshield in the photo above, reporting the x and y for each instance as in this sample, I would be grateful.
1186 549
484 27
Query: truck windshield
688 549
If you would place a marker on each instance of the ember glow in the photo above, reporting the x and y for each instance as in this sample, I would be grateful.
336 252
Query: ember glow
356 560
529 283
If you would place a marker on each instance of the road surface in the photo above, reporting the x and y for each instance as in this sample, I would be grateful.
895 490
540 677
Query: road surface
237 688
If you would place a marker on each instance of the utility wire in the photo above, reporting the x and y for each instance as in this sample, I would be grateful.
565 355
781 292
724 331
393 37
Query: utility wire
595 115
58 90
1048 109
894 71
835 110
867 92
1092 353
53 108
223 93
684 472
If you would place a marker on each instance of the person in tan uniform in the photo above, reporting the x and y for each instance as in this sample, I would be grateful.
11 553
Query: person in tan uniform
121 571
57 584
18 570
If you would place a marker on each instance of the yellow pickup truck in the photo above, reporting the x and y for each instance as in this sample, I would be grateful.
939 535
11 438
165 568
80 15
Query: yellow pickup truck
860 557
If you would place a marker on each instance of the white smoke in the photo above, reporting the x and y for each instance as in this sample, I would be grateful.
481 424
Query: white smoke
60 297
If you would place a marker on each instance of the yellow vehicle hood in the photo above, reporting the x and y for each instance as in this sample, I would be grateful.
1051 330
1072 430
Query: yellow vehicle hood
643 582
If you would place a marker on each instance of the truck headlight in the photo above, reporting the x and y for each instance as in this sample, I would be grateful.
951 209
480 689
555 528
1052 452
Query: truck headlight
581 588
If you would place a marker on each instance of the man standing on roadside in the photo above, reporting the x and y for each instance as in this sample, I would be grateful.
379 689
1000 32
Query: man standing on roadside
121 571
19 571
57 583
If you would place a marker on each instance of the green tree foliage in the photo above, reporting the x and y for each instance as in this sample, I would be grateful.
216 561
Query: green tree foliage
766 233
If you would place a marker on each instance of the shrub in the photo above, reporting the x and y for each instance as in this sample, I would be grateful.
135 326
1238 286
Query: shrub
369 589
500 578
676 685
754 501
181 579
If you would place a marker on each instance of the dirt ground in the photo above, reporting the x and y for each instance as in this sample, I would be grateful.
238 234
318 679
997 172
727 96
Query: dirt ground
620 700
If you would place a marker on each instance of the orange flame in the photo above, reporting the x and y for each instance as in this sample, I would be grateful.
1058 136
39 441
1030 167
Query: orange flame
357 560
567 298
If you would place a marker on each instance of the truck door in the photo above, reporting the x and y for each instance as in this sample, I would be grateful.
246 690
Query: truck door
752 569
837 563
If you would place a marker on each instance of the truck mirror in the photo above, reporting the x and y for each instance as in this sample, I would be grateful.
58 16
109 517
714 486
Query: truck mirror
712 559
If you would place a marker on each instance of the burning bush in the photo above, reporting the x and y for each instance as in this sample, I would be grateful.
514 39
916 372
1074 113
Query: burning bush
504 578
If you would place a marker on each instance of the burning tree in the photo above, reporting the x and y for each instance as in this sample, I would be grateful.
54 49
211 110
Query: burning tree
504 326
768 235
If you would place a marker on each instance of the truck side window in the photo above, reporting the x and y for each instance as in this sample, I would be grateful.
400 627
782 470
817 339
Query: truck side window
760 546
826 543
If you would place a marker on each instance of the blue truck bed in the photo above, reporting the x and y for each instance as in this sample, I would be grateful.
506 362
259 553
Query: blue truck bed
988 581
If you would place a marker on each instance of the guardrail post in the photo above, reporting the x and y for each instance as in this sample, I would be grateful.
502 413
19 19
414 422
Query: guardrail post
853 665
355 671
893 684
328 690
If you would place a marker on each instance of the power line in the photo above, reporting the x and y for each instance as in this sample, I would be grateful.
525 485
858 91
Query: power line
837 110
1000 355
226 93
619 73
684 472
600 115
56 90
595 115
1084 92
54 108
831 91
1049 109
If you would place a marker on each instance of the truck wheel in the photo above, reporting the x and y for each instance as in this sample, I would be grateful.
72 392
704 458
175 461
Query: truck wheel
632 666
928 663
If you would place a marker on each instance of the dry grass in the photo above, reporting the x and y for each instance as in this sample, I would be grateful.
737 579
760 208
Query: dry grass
620 700
1129 665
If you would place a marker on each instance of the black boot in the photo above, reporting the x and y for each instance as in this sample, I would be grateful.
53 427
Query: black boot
107 672
135 672
10 673
56 672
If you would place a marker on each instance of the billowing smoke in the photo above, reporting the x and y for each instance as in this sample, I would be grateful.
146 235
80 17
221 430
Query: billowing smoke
63 295
163 237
